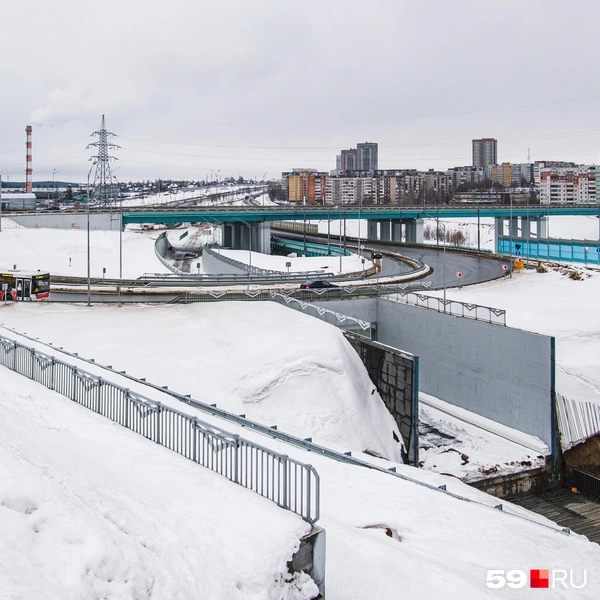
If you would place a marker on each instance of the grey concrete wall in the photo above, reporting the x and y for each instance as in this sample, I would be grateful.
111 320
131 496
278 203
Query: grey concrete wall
395 375
98 221
501 373
211 264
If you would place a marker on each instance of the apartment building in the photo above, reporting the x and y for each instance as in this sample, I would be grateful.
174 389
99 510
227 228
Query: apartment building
485 152
362 158
568 185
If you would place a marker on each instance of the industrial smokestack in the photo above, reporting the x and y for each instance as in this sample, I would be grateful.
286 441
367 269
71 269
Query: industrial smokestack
28 168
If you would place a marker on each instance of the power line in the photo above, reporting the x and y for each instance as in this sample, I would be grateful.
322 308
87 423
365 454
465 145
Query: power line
380 119
337 148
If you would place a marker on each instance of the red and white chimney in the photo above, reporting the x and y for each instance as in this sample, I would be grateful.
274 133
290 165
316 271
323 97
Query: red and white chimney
28 168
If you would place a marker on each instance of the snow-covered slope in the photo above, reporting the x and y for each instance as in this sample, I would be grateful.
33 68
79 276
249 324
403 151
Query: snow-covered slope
90 510
275 365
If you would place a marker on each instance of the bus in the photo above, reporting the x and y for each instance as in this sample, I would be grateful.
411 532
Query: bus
24 285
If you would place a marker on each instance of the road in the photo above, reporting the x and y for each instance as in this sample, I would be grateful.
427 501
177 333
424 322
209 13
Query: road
473 268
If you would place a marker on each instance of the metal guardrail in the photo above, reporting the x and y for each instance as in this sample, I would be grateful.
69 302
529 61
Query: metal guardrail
240 265
188 279
291 484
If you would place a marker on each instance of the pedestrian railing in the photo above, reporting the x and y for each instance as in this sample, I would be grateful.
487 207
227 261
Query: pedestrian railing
466 310
291 484
400 292
337 319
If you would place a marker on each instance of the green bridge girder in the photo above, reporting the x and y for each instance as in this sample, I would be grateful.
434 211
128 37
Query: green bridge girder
314 213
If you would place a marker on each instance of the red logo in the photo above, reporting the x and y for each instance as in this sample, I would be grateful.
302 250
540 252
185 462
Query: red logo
539 578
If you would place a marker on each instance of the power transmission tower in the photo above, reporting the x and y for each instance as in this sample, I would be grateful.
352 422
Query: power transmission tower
106 187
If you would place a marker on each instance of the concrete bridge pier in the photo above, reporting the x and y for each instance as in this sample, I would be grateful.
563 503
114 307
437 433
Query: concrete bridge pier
385 231
239 236
372 230
413 231
409 231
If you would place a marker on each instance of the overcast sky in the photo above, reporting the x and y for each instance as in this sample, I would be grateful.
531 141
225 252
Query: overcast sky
247 87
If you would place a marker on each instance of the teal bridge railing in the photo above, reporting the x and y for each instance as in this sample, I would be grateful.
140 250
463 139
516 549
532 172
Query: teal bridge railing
285 246
579 251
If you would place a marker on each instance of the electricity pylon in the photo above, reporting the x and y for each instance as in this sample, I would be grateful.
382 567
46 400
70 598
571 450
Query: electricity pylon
106 187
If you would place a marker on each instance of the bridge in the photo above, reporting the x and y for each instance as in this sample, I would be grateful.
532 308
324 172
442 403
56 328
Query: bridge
248 227
257 214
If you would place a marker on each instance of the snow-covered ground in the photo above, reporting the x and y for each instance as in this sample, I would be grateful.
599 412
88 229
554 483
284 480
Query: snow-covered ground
64 252
235 195
200 235
134 509
144 523
91 510
299 264
220 358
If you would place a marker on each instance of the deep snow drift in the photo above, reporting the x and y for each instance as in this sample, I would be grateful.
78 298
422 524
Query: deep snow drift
275 365
90 510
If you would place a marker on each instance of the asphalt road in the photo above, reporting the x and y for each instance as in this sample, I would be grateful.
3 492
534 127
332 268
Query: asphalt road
474 269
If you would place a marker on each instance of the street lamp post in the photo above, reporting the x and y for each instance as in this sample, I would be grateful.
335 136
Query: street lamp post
510 232
443 226
250 251
340 245
54 171
120 240
88 235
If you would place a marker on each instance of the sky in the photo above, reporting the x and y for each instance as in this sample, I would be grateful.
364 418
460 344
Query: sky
204 90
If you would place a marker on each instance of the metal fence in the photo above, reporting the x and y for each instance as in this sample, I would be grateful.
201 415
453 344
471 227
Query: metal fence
478 312
291 484
586 483
577 420
400 292
339 320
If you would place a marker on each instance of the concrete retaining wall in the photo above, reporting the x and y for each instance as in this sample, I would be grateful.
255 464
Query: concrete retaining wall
98 221
395 375
501 373
212 264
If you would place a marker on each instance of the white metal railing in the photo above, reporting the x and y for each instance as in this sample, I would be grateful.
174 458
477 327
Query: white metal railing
291 484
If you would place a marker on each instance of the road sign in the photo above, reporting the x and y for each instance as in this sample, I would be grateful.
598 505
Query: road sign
504 267
459 274
518 247
586 248
597 249
517 253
